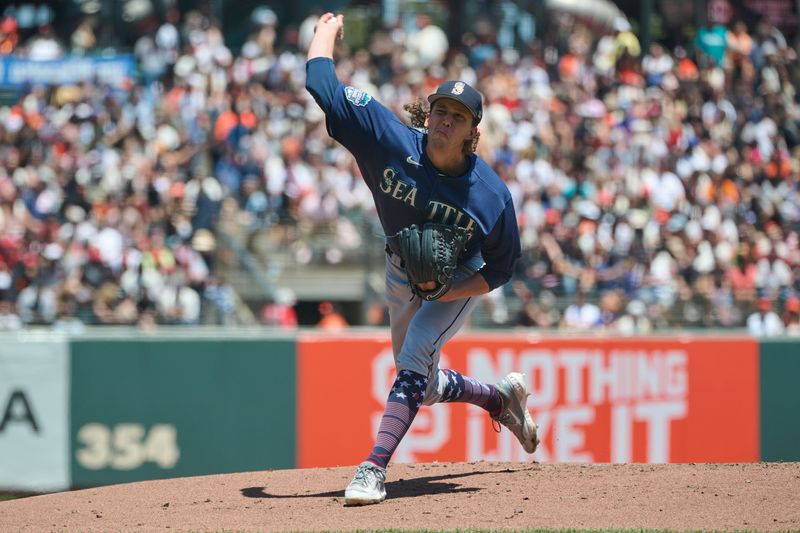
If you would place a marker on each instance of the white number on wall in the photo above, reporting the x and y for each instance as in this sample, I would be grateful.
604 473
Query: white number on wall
127 446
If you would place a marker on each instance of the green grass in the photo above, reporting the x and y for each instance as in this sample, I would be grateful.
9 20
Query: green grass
536 531
11 495
539 531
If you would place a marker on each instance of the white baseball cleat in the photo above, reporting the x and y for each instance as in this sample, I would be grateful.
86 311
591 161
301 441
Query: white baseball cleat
367 485
514 414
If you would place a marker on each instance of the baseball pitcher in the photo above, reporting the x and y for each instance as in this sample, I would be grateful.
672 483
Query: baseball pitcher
452 236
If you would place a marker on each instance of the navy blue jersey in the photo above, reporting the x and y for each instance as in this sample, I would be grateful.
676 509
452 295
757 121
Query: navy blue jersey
407 188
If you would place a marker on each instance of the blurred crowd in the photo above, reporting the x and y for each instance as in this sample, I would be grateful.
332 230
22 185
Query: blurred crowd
654 188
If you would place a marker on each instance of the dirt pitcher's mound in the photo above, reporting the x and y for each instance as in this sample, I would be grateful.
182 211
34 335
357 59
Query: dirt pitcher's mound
438 496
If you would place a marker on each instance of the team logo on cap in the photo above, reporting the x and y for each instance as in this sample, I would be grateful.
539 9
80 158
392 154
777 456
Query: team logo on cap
458 88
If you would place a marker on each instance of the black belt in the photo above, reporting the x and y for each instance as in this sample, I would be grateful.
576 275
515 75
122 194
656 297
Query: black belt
391 253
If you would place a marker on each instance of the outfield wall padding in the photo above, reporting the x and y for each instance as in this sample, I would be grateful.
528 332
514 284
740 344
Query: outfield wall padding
34 412
105 408
148 409
780 400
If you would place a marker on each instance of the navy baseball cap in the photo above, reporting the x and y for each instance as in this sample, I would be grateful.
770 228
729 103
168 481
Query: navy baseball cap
463 93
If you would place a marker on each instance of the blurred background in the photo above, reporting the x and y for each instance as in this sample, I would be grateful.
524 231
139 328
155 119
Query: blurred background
162 164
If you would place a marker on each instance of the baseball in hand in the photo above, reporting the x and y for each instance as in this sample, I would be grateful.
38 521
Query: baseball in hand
331 20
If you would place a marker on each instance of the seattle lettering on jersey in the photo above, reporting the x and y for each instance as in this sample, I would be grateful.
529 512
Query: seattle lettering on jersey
398 189
435 211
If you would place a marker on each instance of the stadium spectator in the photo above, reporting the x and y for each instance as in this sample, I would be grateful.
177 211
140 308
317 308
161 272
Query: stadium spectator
331 317
764 322
9 37
44 45
634 321
426 46
9 319
791 317
582 315
282 311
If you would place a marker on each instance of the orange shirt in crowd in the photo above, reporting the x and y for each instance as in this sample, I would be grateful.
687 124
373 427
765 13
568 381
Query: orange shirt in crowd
725 192
742 280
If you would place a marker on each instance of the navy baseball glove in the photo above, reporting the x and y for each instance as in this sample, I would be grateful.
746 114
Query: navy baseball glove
431 254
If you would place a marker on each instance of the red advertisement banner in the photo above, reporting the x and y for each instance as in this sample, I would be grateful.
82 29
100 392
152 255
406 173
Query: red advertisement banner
650 400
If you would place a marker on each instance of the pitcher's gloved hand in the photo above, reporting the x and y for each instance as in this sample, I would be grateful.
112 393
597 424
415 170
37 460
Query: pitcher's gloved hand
430 257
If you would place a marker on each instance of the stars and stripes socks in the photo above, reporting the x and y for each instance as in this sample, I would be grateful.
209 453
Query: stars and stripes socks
461 388
405 399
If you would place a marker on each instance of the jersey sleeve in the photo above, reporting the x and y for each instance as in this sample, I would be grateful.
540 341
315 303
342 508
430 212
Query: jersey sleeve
353 117
501 248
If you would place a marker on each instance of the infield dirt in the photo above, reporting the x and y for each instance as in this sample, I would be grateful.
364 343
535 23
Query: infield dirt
435 496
